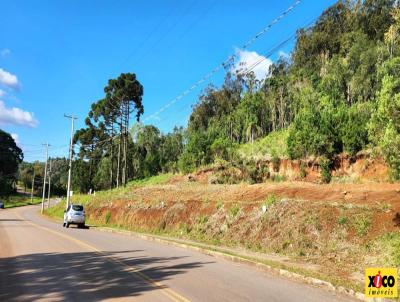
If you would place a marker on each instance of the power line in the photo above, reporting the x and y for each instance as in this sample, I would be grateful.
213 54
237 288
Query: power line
265 56
227 61
148 37
188 8
98 142
192 24
213 71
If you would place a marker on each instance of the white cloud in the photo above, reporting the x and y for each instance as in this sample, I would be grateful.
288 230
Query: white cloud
251 60
284 54
16 139
2 93
5 52
8 79
16 116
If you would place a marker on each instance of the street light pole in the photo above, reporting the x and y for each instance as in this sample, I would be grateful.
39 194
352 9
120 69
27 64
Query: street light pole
45 175
48 192
33 184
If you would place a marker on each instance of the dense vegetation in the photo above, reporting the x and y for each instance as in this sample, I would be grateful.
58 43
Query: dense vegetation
10 157
338 92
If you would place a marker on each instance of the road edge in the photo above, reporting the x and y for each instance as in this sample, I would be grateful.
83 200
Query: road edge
218 252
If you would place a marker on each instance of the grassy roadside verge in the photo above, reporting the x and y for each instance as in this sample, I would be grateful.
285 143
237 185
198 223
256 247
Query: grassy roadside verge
293 272
19 200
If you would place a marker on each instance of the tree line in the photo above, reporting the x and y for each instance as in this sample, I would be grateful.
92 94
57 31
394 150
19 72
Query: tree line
337 92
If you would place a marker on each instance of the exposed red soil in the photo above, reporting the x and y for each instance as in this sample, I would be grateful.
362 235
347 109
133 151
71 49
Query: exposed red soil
361 167
327 225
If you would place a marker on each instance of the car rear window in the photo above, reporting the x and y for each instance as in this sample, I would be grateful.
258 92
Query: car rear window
77 208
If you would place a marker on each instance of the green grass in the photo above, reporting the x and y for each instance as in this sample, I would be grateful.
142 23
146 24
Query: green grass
278 178
390 245
274 144
108 217
234 210
19 200
121 192
270 200
153 180
56 210
362 223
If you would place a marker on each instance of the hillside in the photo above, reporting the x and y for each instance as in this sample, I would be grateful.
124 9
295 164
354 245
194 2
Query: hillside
325 229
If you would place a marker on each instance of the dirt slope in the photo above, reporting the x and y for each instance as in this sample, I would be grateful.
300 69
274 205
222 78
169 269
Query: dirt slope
337 228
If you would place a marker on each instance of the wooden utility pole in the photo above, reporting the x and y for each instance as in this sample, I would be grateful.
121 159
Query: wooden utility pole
70 158
48 192
45 174
33 184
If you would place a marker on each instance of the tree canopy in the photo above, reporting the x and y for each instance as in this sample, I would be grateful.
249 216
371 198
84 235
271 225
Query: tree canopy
10 158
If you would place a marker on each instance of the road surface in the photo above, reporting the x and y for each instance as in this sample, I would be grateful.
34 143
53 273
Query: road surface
41 260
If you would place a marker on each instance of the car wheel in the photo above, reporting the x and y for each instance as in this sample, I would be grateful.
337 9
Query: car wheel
64 225
67 225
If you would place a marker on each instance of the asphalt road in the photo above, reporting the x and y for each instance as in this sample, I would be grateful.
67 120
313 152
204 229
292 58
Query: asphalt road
41 260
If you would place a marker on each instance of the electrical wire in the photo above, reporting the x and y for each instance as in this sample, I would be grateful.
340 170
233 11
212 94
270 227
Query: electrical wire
224 63
250 68
149 36
184 13
191 25
210 74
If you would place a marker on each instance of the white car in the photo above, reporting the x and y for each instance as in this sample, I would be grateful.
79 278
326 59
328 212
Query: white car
74 214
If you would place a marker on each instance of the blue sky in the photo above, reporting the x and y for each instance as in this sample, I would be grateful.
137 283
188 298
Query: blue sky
56 56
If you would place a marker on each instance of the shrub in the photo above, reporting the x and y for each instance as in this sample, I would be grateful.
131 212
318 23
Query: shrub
255 173
186 163
354 130
384 125
276 163
108 217
362 223
274 143
303 172
342 220
234 210
278 178
325 165
202 219
230 175
271 199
